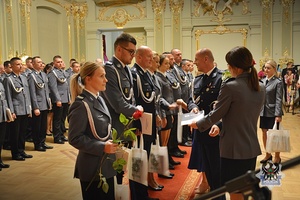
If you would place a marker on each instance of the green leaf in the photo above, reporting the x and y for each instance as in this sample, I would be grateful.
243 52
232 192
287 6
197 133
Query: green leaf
114 134
105 187
123 119
132 136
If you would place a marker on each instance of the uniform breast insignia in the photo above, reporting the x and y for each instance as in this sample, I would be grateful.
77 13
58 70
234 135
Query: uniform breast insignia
147 94
126 90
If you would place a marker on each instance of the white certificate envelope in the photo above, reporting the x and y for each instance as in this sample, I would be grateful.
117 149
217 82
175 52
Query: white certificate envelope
188 118
146 121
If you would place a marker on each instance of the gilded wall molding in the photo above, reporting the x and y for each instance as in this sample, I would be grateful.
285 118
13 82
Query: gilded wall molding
176 6
286 9
8 6
121 16
158 7
265 58
266 5
211 8
285 59
25 10
220 30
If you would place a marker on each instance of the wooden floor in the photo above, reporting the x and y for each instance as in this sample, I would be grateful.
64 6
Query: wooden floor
49 175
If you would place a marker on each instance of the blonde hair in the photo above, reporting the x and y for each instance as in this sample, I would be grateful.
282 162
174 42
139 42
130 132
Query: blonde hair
77 81
274 65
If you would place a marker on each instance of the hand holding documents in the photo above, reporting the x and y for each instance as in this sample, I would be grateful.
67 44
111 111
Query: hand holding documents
188 118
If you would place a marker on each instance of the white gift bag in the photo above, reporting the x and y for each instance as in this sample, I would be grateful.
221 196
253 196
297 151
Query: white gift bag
158 159
278 139
138 163
121 191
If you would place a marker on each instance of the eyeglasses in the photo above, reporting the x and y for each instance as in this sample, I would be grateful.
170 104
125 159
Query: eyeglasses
131 51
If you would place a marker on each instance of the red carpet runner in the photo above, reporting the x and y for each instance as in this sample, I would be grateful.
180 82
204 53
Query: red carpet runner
181 187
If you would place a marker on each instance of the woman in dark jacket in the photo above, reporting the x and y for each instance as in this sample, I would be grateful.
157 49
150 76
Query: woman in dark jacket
96 150
271 111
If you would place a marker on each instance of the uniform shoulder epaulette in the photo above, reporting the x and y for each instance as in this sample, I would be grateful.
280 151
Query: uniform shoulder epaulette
108 63
80 97
229 79
220 71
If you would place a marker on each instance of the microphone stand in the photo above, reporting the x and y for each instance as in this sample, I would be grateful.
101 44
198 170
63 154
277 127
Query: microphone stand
248 185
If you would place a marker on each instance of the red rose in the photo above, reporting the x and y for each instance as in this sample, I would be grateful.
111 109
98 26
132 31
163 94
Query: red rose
137 114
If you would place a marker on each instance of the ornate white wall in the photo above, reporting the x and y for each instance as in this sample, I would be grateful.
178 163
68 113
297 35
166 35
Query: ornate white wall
75 28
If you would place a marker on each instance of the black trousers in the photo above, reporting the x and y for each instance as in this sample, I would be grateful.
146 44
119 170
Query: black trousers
17 134
39 128
95 193
173 142
58 120
211 164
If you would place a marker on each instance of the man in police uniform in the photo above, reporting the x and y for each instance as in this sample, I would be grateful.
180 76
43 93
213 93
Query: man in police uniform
144 93
60 98
40 101
206 90
118 95
18 99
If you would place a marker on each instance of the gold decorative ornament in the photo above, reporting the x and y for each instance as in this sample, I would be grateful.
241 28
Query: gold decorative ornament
286 9
8 5
266 5
158 7
221 30
120 17
112 3
176 6
285 59
210 7
264 59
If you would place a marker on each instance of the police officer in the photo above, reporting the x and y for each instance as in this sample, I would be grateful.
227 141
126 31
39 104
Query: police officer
60 98
18 98
118 95
40 100
205 155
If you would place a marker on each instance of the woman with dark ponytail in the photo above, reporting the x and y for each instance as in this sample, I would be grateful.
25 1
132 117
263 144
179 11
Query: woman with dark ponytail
238 105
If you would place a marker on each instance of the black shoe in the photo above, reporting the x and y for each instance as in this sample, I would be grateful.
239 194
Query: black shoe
64 139
171 166
173 162
177 154
18 158
47 146
39 148
59 141
160 186
171 174
25 155
7 147
266 160
166 177
181 151
187 144
2 165
155 188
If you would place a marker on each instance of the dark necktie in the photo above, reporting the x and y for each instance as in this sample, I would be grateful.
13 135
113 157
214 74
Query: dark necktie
205 76
100 101
267 81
